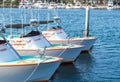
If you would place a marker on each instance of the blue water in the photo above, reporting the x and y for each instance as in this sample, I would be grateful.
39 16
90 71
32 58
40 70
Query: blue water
102 63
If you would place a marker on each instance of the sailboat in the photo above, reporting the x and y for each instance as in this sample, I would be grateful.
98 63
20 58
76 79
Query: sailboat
60 6
69 6
16 68
110 5
52 5
34 42
77 5
57 35
25 4
40 5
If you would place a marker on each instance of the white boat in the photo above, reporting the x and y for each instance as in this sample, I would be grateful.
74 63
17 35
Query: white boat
40 5
60 6
58 35
25 4
77 5
34 45
94 6
110 5
34 42
16 68
69 6
52 5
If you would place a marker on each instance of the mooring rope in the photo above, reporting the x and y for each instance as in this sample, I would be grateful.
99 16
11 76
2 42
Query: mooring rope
27 79
62 52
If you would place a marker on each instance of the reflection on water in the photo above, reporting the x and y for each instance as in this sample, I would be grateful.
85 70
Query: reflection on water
77 71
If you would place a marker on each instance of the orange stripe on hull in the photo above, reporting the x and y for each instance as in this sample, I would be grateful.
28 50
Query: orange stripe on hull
25 63
18 44
18 40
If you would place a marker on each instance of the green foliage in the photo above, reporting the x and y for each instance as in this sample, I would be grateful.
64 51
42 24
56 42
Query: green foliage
8 2
16 2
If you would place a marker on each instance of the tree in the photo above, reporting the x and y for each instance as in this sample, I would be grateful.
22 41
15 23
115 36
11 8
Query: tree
16 2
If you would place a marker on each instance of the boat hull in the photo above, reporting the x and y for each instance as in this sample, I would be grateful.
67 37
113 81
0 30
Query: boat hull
22 73
110 8
33 52
71 55
68 54
46 73
86 42
15 73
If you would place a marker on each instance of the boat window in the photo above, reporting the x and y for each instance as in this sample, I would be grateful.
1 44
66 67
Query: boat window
32 33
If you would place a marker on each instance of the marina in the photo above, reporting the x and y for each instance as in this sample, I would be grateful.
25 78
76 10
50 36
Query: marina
26 33
62 4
